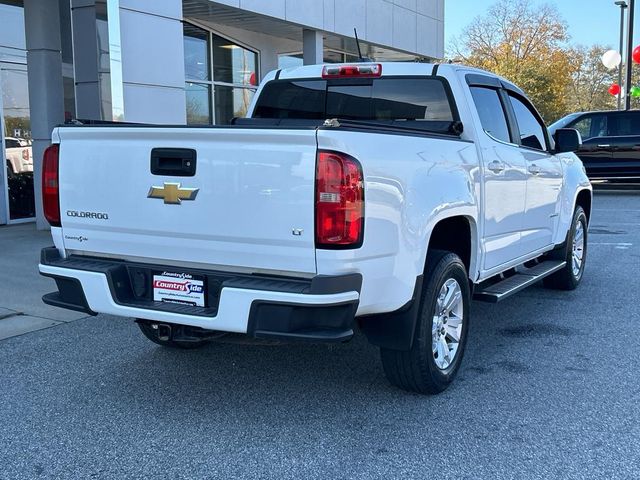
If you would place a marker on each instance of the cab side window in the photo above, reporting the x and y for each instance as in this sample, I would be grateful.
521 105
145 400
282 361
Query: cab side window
491 112
591 126
531 130
624 124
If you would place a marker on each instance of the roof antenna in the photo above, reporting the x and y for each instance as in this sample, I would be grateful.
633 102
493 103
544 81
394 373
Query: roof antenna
355 32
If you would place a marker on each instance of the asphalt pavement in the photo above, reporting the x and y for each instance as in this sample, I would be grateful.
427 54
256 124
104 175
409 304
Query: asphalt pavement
549 388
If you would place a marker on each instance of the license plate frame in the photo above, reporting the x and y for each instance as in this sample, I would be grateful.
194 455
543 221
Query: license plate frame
185 288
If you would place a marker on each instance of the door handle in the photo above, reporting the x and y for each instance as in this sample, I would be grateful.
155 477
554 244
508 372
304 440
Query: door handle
496 166
604 146
534 169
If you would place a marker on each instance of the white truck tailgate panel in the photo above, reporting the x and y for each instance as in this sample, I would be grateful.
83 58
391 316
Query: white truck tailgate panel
256 187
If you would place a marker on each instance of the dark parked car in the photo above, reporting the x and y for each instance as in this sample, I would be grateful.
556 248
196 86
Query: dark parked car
610 143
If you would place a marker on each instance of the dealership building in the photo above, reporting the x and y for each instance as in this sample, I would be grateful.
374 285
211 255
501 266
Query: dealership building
172 62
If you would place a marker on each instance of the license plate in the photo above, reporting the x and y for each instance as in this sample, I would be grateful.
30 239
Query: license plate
176 287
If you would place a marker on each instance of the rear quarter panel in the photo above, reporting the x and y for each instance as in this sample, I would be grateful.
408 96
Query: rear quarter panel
411 183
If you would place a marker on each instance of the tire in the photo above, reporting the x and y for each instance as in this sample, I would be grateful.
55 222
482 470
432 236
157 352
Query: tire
152 334
569 277
422 369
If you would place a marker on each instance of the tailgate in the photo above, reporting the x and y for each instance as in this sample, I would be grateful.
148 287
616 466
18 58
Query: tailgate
253 209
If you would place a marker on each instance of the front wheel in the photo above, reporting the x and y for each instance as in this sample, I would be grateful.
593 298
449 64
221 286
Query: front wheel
573 252
434 358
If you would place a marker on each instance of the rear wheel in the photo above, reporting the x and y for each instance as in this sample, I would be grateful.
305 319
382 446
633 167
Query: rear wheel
153 332
434 358
574 252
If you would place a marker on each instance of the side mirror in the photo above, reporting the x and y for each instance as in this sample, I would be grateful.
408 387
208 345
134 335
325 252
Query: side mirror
567 140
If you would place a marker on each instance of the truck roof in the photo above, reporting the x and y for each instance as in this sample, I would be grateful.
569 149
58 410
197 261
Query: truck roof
388 69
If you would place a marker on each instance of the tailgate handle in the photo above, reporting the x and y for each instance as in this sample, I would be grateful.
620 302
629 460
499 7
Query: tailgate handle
174 162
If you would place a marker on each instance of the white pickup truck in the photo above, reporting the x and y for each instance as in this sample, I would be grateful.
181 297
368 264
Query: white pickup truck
384 196
19 157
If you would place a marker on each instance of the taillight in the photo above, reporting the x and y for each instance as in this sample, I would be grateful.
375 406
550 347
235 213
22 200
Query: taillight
50 187
339 201
366 70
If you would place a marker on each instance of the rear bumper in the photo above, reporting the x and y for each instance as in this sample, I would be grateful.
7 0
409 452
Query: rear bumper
318 309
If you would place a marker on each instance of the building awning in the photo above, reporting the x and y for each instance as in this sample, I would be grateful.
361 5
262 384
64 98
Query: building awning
208 11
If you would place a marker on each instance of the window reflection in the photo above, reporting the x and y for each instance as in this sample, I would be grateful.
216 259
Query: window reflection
12 38
232 63
17 140
196 53
290 60
231 102
198 109
221 77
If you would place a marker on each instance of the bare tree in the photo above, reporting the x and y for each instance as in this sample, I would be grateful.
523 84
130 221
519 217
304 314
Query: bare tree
590 80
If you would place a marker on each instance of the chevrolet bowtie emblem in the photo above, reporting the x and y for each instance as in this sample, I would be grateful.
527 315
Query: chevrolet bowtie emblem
172 194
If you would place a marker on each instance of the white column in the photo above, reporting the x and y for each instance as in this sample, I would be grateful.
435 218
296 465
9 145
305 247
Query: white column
312 46
46 99
147 61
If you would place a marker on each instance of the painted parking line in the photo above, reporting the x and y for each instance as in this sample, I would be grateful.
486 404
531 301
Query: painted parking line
618 245
633 224
616 210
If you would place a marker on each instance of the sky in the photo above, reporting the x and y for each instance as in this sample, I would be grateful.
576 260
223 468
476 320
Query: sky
589 21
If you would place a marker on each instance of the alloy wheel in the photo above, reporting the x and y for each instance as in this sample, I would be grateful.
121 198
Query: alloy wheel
446 328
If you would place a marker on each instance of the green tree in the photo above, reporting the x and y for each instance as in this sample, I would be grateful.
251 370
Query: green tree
526 44
23 124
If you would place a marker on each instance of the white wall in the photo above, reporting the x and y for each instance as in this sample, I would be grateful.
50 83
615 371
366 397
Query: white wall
415 26
152 61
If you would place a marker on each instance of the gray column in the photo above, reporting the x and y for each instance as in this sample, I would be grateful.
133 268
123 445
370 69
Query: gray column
312 46
85 59
44 63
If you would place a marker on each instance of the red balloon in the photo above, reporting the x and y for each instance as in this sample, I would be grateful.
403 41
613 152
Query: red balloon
636 54
614 89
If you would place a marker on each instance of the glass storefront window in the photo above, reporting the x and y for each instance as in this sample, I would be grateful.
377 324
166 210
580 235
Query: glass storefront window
68 89
198 104
106 105
17 140
12 38
330 56
232 63
289 60
220 76
231 102
196 53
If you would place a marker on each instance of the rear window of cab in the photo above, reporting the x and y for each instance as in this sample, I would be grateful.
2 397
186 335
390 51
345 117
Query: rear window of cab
411 100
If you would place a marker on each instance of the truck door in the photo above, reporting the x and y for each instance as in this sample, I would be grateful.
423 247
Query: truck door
624 141
544 175
504 180
595 151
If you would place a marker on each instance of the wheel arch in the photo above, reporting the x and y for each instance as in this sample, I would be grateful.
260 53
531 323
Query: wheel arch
584 198
457 234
